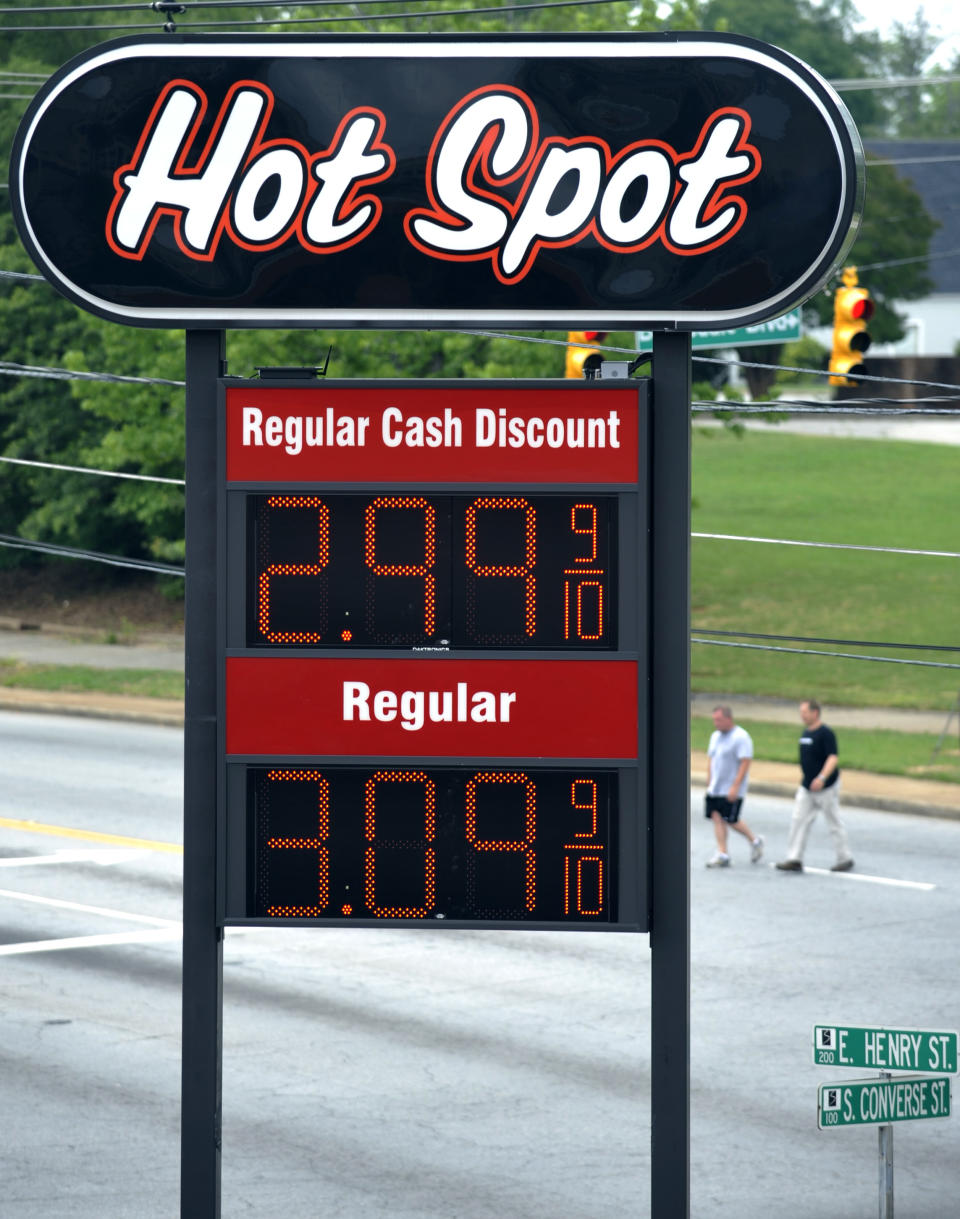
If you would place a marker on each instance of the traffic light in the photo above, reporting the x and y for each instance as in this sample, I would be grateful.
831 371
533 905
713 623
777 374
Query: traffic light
583 361
852 309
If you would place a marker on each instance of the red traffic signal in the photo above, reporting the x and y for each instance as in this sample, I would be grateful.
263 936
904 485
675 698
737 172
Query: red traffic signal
583 361
852 309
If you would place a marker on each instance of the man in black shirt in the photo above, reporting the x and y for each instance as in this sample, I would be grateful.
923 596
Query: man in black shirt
818 792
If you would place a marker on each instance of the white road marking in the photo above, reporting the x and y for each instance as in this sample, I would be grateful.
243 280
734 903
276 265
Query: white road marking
103 857
58 903
923 886
91 941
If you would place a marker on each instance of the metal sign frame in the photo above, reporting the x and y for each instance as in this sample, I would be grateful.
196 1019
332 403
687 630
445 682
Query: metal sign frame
666 736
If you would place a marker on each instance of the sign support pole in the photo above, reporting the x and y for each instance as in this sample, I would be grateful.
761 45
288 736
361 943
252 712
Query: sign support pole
669 736
886 1172
202 934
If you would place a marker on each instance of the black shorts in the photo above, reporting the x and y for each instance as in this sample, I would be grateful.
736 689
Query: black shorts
729 810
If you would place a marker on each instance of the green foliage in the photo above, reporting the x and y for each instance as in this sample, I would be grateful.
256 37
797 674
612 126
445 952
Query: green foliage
863 492
821 34
896 229
139 429
880 751
805 352
140 683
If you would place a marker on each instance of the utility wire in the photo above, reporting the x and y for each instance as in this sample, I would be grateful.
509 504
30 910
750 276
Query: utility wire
8 368
69 552
51 465
723 537
766 647
851 643
282 21
730 537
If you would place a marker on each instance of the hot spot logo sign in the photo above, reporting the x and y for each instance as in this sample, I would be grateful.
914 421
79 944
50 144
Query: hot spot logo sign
352 182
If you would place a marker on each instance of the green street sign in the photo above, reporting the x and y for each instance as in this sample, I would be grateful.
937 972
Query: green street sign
885 1049
876 1102
785 329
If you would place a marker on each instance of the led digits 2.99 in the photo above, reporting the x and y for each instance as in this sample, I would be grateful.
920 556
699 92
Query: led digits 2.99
348 571
345 842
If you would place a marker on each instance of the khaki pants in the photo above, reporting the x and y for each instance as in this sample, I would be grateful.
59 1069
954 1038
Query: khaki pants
805 808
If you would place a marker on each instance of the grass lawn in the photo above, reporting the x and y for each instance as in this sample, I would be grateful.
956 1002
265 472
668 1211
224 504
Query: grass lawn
144 683
881 751
867 492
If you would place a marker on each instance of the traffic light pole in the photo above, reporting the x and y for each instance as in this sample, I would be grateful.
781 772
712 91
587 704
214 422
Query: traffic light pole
669 738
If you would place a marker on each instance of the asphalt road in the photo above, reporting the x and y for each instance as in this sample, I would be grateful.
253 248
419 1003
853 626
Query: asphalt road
423 1074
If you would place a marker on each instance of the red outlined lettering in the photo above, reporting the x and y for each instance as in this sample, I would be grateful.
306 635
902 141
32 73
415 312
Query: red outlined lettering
494 189
573 188
315 198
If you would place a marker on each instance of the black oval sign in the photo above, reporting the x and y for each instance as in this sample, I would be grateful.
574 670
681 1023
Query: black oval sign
693 181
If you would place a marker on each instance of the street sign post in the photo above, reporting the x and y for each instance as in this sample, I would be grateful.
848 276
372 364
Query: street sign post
877 1102
887 1099
885 1049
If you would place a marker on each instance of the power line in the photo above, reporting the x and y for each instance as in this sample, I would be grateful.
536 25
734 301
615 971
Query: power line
69 552
52 465
282 21
10 369
852 84
853 643
766 647
730 537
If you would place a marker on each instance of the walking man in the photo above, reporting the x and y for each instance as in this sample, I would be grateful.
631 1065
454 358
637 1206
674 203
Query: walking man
729 755
819 792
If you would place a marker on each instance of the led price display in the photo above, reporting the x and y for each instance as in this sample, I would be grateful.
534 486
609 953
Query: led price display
503 570
432 843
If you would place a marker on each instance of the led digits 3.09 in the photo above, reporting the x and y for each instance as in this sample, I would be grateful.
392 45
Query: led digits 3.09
437 842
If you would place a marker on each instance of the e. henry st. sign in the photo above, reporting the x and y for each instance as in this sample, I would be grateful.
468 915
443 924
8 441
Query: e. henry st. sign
689 181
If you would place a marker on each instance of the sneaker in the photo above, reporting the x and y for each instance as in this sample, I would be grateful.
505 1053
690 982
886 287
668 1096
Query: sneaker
790 865
719 861
843 866
756 848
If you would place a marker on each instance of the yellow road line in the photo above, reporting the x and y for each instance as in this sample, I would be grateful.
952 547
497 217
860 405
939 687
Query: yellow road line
63 831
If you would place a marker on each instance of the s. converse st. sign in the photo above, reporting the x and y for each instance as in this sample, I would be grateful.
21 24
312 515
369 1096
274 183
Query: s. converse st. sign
606 180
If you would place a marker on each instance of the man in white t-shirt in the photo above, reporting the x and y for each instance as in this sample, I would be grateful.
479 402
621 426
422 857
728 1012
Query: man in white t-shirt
729 755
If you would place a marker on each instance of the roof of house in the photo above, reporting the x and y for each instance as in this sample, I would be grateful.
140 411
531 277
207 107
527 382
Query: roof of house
933 169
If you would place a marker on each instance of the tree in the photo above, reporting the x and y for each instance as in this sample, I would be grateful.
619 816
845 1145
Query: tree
822 35
905 54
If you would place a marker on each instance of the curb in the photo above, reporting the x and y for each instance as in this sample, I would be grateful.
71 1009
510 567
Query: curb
168 712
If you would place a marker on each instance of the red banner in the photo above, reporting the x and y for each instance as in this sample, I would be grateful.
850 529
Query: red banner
311 706
332 434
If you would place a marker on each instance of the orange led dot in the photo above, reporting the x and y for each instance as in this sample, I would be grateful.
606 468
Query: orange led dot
346 636
347 909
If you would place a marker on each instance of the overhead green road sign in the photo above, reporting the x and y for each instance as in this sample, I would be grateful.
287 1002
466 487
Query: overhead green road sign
885 1049
785 329
877 1102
